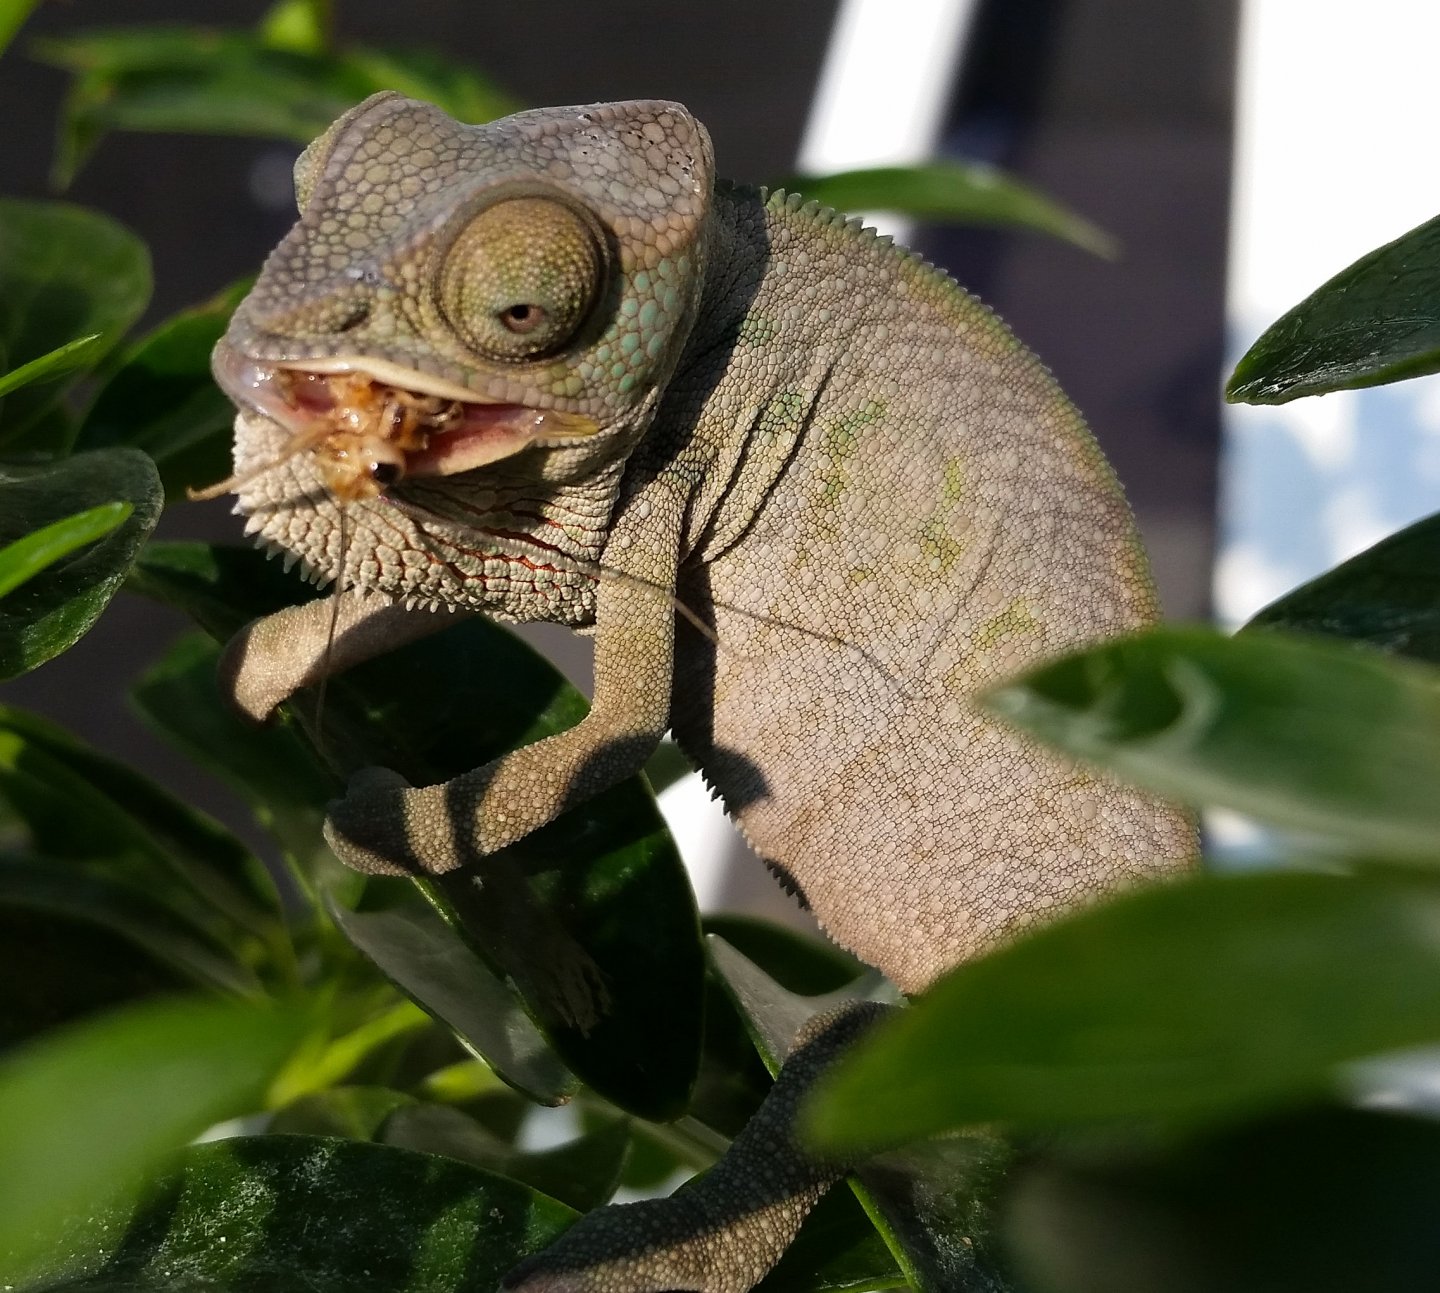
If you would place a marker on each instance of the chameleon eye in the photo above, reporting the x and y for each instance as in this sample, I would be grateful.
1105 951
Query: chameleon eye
521 278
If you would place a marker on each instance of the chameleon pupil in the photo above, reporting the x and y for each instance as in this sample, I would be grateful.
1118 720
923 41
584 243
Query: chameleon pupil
522 318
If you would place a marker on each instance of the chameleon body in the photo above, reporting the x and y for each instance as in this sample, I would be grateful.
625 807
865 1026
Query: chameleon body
818 445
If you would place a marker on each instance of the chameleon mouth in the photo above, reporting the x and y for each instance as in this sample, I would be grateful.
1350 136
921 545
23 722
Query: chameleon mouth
367 424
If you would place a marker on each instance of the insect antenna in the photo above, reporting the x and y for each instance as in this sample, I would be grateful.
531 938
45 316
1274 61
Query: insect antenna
297 444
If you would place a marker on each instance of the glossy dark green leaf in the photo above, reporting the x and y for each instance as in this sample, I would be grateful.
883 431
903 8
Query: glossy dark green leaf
54 609
424 957
1206 998
301 1214
29 555
162 399
1387 596
74 356
1319 737
84 1113
65 273
959 192
1327 1202
229 82
86 810
624 1015
1376 321
582 1173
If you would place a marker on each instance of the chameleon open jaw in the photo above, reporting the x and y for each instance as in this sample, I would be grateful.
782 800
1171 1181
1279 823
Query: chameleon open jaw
369 422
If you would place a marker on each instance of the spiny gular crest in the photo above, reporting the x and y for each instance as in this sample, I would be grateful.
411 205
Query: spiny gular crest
546 259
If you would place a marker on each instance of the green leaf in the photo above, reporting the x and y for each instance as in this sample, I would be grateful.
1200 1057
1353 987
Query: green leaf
162 399
12 15
1325 1202
836 1251
1374 322
423 956
80 958
95 813
301 26
226 82
351 1112
71 911
272 768
797 962
1387 597
86 1113
558 912
301 1214
65 272
28 556
962 192
56 607
582 1173
1211 997
1310 735
73 356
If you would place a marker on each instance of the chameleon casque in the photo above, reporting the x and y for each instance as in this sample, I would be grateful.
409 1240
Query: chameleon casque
589 384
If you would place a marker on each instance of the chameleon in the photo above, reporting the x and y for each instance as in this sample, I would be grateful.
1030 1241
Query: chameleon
809 497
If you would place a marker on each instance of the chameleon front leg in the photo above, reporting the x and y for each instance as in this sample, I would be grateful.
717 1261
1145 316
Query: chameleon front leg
384 827
270 659
722 1232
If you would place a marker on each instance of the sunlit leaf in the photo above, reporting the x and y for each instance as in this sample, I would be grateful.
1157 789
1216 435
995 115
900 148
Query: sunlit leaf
1319 737
65 273
29 555
72 357
959 192
86 1112
1376 321
1212 997
301 1214
56 607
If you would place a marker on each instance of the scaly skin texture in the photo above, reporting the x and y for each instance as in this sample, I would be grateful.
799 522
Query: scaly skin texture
820 445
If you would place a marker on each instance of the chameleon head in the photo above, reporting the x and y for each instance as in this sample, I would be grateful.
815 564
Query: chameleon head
463 304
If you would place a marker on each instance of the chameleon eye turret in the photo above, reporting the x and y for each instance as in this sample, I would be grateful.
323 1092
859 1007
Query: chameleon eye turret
521 278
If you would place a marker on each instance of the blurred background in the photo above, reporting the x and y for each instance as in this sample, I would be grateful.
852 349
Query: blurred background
1221 143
